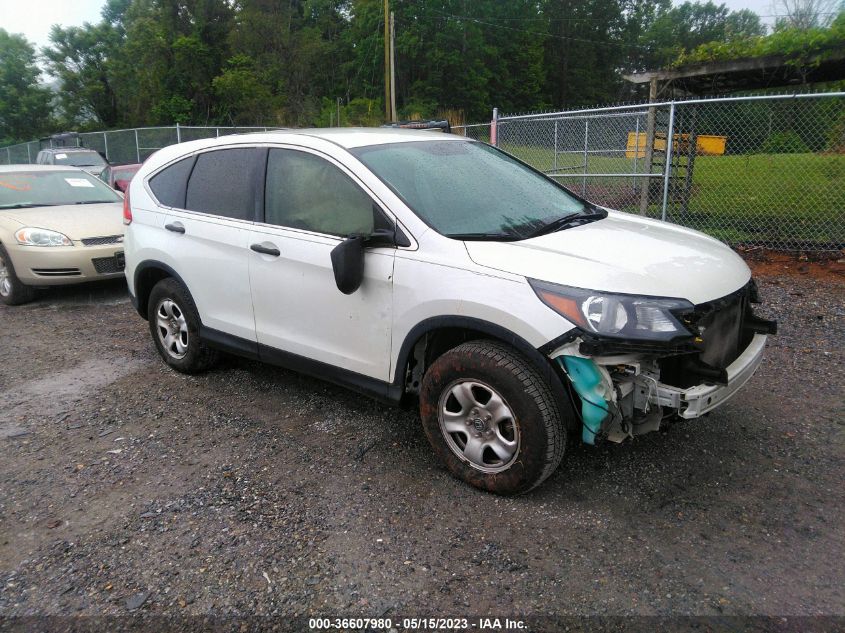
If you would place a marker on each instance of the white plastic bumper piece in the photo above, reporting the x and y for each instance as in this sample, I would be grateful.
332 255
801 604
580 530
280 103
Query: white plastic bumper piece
693 402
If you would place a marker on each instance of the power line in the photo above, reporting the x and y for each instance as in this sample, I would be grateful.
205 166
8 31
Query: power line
540 34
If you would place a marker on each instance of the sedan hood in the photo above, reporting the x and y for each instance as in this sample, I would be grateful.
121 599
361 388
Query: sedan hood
76 220
625 254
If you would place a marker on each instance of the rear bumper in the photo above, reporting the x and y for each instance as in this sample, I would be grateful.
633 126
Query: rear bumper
63 265
695 401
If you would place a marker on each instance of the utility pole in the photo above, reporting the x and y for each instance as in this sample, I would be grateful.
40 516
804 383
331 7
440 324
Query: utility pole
387 110
393 116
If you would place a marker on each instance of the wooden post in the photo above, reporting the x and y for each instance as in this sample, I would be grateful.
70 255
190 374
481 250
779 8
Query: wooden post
387 111
393 115
649 146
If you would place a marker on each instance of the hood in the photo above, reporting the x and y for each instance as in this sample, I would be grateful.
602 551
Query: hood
94 170
76 220
626 254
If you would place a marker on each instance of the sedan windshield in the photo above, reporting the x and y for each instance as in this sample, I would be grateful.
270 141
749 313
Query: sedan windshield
79 159
20 189
469 190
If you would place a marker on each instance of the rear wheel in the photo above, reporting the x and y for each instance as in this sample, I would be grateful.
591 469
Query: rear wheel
491 418
174 325
12 290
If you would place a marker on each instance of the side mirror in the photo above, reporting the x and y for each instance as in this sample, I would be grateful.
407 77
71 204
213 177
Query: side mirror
348 263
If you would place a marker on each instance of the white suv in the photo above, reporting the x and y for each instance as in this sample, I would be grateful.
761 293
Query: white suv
411 264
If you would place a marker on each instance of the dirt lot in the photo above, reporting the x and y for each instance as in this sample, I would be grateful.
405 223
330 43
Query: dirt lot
125 487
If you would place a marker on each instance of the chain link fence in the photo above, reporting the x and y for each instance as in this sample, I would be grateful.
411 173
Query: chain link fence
763 171
120 146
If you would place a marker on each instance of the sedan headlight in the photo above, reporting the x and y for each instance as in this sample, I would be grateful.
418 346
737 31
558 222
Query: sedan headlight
615 315
41 237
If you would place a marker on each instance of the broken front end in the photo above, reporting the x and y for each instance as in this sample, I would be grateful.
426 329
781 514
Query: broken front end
633 361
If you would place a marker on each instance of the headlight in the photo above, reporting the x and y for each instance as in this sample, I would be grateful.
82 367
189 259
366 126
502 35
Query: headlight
42 237
615 315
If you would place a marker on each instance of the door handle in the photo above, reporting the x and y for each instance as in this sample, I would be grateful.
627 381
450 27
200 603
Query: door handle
176 227
266 250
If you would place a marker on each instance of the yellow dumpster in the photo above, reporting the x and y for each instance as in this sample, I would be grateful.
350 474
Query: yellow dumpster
705 145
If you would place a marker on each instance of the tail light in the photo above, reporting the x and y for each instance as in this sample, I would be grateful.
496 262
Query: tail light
127 210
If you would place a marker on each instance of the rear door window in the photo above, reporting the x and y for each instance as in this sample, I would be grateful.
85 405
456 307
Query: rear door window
226 182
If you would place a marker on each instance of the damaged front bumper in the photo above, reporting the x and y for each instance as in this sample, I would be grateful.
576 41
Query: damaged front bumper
696 401
623 396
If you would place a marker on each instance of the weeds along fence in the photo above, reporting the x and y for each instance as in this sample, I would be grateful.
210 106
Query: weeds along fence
755 172
121 146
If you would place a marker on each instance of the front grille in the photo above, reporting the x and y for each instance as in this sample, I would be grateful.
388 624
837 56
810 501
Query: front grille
109 265
57 272
99 241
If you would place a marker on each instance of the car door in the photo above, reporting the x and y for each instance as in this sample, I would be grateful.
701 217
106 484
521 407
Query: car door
311 205
210 236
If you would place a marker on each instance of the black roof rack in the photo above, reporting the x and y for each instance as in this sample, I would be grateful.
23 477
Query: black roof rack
442 125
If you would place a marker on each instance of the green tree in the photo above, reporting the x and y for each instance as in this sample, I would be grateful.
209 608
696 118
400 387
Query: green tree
24 104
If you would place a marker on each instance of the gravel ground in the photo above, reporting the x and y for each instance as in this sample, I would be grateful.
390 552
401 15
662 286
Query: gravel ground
128 488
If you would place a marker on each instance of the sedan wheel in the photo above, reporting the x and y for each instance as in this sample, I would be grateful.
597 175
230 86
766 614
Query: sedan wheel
12 290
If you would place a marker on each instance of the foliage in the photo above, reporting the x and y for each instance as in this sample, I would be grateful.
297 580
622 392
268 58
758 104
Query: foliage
784 143
287 62
24 104
798 44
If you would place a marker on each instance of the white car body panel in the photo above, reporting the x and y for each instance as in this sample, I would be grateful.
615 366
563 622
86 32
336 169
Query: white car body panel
623 253
212 256
299 309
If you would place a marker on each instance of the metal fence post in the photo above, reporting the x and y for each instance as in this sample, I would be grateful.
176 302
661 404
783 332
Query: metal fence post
670 141
178 133
137 146
28 154
8 156
494 128
636 153
106 144
555 163
586 144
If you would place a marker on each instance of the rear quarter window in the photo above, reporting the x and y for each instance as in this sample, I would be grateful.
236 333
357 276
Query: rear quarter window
170 184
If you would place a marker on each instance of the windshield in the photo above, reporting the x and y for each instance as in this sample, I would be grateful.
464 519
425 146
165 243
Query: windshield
466 189
49 188
79 159
124 174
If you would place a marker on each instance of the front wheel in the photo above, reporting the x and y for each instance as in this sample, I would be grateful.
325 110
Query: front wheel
491 418
174 325
13 292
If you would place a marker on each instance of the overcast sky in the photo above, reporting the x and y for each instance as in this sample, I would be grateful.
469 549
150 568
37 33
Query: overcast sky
33 18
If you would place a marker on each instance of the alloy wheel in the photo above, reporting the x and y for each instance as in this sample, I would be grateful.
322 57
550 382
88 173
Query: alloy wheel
478 425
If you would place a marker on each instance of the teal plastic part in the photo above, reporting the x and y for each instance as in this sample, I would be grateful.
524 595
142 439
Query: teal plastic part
587 380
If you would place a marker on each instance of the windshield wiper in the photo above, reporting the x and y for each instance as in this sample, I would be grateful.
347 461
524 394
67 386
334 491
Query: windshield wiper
29 205
96 201
484 237
568 221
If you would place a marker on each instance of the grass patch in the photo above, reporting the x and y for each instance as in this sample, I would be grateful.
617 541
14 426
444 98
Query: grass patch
783 198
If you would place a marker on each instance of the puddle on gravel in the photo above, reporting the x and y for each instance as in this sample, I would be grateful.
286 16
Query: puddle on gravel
56 392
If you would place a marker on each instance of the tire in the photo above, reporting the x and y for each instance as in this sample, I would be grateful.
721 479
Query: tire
174 326
491 418
13 291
